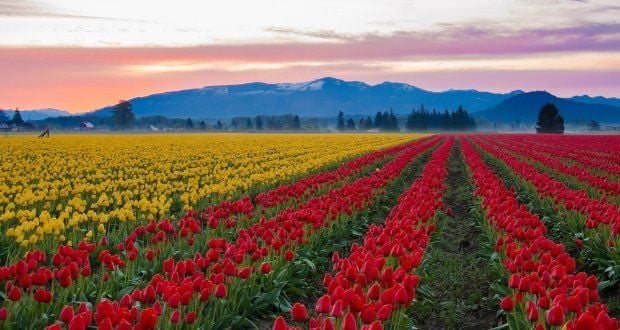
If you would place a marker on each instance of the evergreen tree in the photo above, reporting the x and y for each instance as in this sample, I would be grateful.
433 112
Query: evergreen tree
203 125
219 126
189 124
3 117
296 123
17 119
340 121
594 125
248 124
123 114
369 122
378 120
350 125
362 124
259 123
549 120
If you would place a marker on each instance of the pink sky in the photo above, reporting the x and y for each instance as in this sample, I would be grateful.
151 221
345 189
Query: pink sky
86 64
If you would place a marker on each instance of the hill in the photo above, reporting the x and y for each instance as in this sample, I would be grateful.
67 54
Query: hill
524 107
38 114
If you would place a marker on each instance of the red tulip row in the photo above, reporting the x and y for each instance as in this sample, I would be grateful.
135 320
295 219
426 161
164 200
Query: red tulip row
578 149
601 146
311 183
35 274
229 263
545 289
376 280
532 152
597 211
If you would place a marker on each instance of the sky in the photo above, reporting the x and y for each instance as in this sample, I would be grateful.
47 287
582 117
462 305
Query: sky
81 55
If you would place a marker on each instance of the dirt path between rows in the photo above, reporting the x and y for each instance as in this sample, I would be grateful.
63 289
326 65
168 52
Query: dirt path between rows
456 271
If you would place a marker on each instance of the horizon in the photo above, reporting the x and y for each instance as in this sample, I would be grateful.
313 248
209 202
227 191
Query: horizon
80 57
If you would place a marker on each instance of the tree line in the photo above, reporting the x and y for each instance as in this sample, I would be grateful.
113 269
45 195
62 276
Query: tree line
418 120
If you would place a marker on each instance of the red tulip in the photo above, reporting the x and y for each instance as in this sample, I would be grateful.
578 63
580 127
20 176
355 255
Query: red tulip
586 322
507 304
66 314
220 291
555 316
148 318
280 324
175 317
15 294
349 322
265 268
190 318
323 305
4 313
369 313
299 312
43 296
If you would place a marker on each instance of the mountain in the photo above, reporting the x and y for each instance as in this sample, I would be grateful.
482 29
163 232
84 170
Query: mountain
524 107
38 114
318 98
597 100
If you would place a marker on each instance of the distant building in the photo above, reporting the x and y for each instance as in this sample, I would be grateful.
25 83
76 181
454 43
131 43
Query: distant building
86 126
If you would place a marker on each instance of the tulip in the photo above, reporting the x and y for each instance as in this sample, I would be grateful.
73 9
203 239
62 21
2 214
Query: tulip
323 305
175 317
190 318
555 316
280 324
586 322
4 313
15 294
349 322
148 318
43 296
66 314
265 268
220 291
299 312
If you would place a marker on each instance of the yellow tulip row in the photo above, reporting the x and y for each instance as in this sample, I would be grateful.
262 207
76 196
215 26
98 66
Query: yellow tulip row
48 186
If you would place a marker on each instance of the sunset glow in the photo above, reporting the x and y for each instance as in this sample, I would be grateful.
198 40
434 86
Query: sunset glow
81 56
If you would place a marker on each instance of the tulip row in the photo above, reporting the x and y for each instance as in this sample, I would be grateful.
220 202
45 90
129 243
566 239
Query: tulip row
375 283
594 248
545 291
510 143
598 212
227 264
584 151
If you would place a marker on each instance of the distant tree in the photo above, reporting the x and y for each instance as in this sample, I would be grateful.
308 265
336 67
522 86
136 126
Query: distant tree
234 124
594 125
3 117
189 124
123 114
549 120
203 125
248 124
296 123
369 123
17 119
378 120
362 124
219 126
350 125
259 124
340 122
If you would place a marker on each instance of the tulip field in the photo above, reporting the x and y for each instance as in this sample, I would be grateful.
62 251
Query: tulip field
310 231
